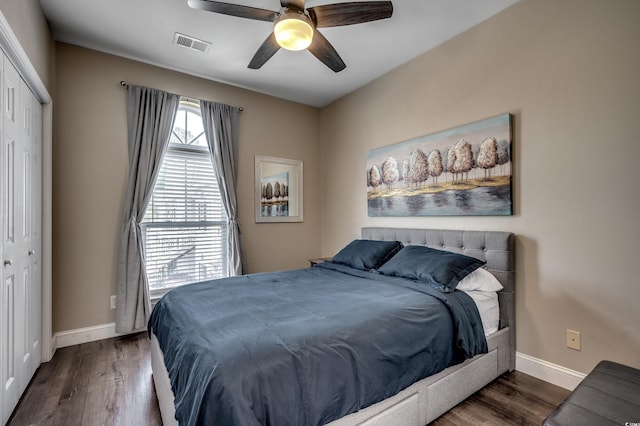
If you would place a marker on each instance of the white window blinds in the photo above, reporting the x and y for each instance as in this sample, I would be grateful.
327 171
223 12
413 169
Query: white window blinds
185 224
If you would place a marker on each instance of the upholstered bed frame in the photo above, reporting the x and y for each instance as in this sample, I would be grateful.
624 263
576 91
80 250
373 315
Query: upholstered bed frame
429 398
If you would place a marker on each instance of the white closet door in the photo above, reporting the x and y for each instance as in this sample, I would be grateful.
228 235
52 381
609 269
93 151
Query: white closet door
30 311
3 306
35 251
12 274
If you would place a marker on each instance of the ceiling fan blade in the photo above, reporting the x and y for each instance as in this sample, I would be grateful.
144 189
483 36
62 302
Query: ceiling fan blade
324 51
233 10
339 14
265 52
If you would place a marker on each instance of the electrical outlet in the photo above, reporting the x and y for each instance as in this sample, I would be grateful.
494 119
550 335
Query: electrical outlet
573 340
113 302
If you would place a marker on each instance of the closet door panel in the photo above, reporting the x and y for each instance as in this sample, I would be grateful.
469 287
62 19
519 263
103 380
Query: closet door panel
3 304
25 122
10 382
13 328
35 249
31 192
13 286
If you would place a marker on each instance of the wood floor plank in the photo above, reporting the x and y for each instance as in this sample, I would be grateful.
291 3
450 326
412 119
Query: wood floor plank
109 383
74 393
98 403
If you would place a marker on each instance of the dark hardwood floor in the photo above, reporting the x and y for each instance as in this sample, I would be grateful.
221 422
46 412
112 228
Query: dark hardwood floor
109 383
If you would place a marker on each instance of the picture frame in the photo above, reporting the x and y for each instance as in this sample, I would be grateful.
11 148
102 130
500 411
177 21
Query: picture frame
463 171
278 190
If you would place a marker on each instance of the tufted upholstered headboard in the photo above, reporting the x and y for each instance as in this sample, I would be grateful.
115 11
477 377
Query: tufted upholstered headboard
495 247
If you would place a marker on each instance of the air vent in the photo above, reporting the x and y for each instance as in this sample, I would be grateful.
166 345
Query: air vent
191 42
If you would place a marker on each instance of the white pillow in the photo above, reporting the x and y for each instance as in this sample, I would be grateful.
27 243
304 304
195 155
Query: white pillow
489 309
479 280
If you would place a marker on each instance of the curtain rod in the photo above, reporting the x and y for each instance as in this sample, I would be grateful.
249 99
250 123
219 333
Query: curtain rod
125 84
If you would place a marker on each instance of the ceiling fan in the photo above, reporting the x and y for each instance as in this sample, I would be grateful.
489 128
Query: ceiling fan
295 28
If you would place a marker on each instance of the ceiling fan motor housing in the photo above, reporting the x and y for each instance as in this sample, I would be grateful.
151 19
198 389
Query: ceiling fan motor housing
293 29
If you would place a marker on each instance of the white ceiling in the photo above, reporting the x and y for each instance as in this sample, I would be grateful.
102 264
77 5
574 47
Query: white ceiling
144 30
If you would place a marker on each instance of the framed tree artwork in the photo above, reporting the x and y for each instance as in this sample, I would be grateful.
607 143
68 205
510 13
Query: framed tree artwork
466 171
278 189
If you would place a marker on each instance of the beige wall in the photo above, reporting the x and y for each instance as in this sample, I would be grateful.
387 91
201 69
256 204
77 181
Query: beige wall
568 72
30 27
90 171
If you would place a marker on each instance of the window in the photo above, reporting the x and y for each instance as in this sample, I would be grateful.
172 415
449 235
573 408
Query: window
185 225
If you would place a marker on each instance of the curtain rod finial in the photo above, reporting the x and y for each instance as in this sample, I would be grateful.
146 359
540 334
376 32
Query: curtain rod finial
124 83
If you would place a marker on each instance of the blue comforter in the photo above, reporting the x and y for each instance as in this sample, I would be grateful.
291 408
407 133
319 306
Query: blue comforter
308 346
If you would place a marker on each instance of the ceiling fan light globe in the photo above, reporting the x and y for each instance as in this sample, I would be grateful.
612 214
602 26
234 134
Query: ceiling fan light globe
293 31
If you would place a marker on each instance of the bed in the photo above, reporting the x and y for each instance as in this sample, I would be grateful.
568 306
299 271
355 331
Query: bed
415 403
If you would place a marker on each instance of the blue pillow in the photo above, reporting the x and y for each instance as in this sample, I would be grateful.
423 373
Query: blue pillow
441 269
367 254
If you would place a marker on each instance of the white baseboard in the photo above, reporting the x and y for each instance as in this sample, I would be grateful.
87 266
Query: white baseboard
552 373
84 335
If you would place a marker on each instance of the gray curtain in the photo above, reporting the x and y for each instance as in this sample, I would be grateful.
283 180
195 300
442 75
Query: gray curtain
221 129
150 116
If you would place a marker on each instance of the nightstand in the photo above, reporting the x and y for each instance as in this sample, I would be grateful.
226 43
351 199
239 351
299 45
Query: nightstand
314 262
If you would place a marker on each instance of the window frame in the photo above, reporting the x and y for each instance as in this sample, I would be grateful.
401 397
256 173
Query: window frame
189 149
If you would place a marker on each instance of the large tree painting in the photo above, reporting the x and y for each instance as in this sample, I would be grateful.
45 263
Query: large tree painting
466 170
